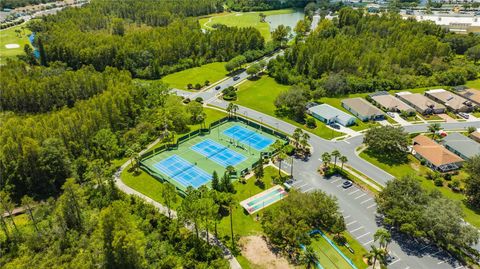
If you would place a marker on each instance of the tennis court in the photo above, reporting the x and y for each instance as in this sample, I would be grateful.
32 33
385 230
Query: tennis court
198 154
248 137
183 171
218 153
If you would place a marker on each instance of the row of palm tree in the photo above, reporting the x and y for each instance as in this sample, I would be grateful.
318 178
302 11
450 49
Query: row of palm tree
327 158
300 140
380 253
232 110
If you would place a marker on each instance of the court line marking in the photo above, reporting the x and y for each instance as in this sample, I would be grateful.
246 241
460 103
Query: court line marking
365 234
360 196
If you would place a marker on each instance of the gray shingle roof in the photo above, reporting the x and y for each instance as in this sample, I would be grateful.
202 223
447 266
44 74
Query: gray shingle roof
330 112
462 144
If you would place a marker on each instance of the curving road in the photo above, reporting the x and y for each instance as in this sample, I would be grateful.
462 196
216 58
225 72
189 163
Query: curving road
357 206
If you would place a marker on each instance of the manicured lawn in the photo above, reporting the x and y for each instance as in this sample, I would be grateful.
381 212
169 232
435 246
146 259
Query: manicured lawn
329 258
474 84
211 72
260 95
9 36
413 167
243 19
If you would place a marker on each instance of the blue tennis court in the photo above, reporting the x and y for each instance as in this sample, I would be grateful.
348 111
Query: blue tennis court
218 153
246 136
183 171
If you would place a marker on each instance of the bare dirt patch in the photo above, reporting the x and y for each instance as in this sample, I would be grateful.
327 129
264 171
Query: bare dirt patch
255 249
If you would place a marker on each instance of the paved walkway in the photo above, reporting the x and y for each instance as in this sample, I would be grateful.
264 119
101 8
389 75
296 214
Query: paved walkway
164 210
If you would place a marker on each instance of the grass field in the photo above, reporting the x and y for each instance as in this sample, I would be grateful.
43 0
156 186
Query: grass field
260 95
211 72
9 36
243 19
328 257
474 84
413 167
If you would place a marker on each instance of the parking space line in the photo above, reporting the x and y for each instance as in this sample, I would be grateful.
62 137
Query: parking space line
440 262
297 182
357 190
365 234
461 266
371 241
361 227
309 189
397 260
348 224
369 199
301 186
370 206
346 217
361 195
339 185
335 180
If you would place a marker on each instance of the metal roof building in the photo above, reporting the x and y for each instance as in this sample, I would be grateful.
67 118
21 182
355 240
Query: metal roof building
461 145
329 114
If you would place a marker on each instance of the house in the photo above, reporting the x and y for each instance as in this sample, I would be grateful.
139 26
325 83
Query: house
329 114
435 156
470 94
452 101
475 136
421 103
362 109
390 103
461 145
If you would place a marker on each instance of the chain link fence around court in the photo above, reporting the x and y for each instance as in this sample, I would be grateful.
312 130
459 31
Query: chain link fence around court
204 131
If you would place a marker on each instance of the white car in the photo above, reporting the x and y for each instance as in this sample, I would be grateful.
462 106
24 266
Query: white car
392 115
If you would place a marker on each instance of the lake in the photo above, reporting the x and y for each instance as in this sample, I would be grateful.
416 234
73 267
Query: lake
289 19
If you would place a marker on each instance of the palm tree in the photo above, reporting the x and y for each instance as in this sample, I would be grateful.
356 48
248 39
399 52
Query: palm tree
201 119
229 109
297 134
383 237
343 159
234 109
304 140
433 128
336 154
326 158
376 254
310 257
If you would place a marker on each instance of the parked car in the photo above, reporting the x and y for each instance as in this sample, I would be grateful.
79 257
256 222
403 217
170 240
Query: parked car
235 78
392 115
464 115
218 87
347 184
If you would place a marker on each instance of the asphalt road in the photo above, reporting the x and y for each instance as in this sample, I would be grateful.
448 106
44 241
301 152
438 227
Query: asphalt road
357 206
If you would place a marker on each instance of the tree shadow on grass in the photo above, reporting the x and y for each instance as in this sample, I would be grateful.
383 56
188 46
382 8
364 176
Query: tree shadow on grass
471 207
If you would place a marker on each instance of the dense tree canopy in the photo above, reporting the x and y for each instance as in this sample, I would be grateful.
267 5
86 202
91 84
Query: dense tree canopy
135 36
388 51
92 226
21 3
388 142
258 5
472 186
413 210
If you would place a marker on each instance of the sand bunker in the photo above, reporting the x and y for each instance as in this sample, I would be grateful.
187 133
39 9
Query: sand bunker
255 249
12 46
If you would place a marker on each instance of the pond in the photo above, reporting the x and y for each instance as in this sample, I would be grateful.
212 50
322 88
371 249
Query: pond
289 19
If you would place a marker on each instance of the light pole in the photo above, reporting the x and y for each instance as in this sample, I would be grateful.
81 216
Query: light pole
261 121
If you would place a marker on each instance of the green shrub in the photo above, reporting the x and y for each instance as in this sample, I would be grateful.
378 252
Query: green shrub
289 149
438 182
311 123
199 100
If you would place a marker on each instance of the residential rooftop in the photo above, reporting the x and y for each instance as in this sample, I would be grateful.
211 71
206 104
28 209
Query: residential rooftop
449 99
434 153
461 145
330 112
420 101
362 107
391 103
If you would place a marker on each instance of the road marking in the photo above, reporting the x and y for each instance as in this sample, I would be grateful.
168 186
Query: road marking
339 185
369 199
371 241
346 141
360 196
361 227
461 266
346 217
408 267
397 260
440 262
335 180
370 206
297 182
309 189
341 211
301 186
365 234
351 223
357 190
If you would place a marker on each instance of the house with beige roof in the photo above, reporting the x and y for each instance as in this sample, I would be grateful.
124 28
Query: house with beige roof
390 103
471 94
475 136
421 103
435 155
452 101
362 109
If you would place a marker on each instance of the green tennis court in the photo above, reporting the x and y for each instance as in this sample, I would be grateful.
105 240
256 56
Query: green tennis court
195 157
